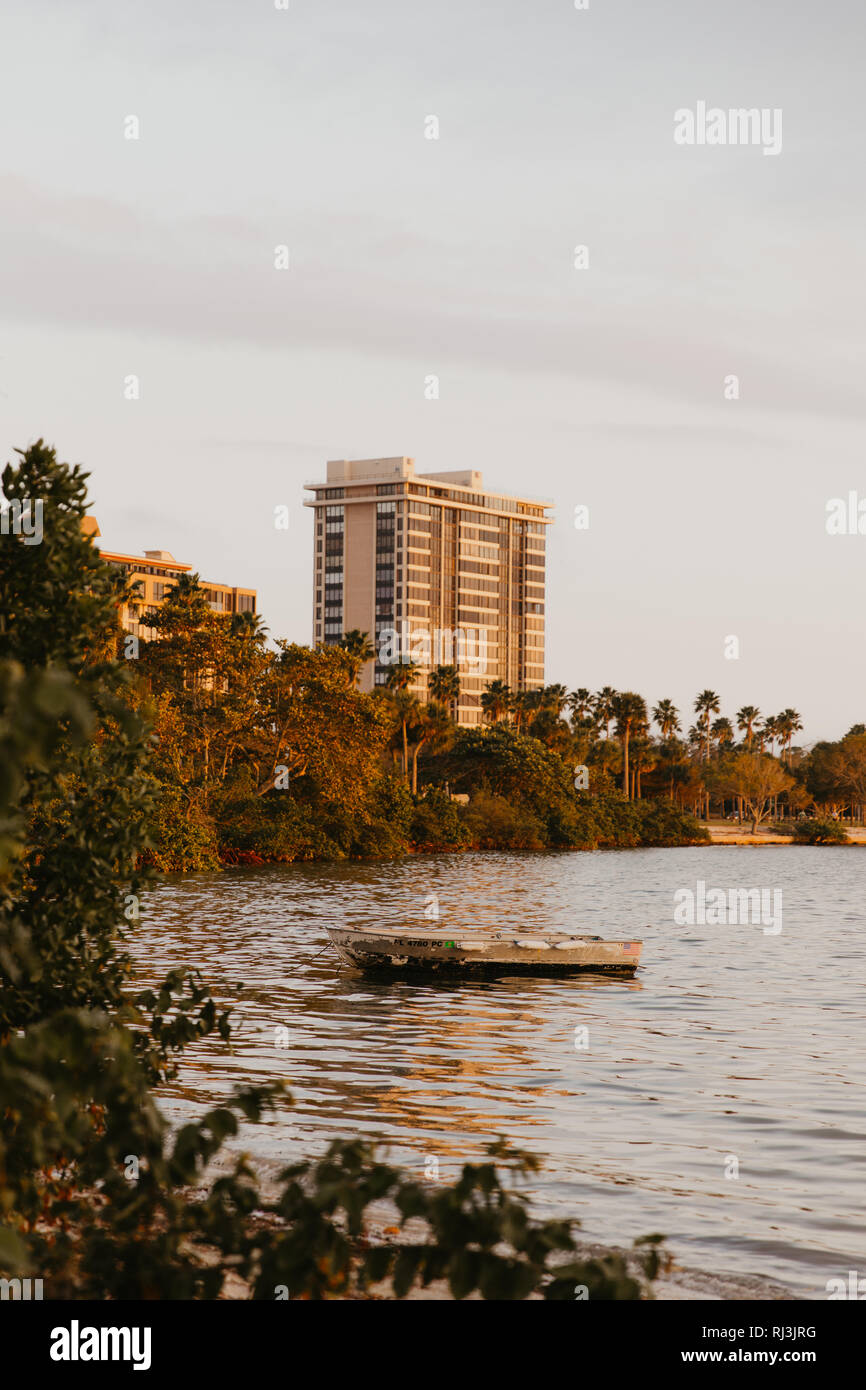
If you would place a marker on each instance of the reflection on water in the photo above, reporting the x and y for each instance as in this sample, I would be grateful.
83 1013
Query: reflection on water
729 1042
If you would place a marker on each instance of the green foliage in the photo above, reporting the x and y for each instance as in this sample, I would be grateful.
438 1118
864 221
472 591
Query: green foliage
523 798
521 770
42 618
78 1052
663 824
494 822
276 828
836 772
236 724
476 1235
183 838
436 822
75 788
298 824
95 1197
820 832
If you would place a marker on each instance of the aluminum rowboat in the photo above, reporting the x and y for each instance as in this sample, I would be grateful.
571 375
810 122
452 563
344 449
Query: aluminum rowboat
483 951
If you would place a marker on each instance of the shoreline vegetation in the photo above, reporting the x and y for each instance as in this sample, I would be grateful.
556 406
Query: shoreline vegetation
114 759
99 1197
272 754
266 756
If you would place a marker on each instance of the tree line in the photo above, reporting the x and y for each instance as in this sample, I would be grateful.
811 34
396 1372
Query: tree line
100 1197
746 765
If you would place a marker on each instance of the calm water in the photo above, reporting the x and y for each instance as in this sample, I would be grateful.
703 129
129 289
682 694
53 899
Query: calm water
728 1042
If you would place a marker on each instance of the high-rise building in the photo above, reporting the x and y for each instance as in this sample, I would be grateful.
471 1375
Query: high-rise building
437 569
155 573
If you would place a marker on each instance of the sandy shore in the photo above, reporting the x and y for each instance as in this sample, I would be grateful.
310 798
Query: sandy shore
730 833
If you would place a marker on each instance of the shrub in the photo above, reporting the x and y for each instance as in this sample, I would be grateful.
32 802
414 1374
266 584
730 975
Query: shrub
662 823
276 827
182 838
437 822
820 832
494 822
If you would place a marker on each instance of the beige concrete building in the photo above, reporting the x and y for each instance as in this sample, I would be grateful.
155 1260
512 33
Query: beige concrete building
156 571
436 568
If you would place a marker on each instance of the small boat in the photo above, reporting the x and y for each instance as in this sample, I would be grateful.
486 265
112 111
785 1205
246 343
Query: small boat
483 951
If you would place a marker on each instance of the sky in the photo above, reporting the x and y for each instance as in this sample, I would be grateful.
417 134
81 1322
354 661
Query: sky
605 386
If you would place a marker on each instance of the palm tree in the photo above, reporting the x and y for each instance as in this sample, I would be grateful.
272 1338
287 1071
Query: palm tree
707 703
496 700
248 625
642 756
630 713
770 731
695 738
436 728
672 759
443 685
548 724
400 676
723 737
522 704
580 704
604 754
747 717
667 716
722 732
788 723
407 711
359 648
553 699
603 708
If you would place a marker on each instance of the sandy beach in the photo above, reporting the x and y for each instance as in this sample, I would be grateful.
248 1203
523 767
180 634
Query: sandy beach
730 833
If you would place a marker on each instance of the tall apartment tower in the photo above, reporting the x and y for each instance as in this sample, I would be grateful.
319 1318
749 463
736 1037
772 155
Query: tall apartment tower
436 569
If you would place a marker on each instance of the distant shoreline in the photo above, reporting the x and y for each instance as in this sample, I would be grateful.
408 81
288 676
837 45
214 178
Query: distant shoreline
734 834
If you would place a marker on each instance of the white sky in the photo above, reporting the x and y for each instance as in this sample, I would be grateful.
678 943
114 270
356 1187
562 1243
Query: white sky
455 257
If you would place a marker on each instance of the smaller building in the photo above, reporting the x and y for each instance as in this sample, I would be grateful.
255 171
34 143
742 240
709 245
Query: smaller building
156 572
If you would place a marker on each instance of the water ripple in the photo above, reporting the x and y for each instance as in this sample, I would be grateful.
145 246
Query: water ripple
729 1044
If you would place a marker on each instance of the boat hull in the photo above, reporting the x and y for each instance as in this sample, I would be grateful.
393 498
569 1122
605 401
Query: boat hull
442 953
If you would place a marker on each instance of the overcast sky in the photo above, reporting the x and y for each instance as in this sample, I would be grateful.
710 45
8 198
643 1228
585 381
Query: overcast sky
409 257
